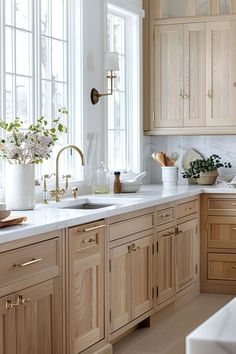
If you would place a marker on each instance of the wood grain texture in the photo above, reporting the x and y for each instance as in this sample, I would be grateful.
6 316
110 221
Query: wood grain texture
221 266
7 327
86 287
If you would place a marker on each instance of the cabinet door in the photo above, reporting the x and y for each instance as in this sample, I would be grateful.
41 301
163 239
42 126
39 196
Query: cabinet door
165 250
39 319
168 78
7 326
194 95
186 254
221 232
120 286
221 73
141 276
86 279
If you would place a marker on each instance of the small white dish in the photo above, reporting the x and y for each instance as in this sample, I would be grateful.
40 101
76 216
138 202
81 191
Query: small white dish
4 214
130 187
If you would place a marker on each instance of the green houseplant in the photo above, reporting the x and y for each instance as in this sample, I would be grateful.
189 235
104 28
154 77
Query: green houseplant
204 171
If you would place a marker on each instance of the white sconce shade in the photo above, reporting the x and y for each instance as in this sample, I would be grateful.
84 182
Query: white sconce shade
111 61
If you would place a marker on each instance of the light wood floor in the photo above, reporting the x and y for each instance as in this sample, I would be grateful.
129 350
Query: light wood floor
170 327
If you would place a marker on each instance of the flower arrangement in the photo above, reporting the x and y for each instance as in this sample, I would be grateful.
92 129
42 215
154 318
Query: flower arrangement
31 145
203 165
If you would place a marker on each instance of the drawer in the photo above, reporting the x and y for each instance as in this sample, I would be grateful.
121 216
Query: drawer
187 208
222 204
28 265
165 215
131 226
221 232
87 236
221 266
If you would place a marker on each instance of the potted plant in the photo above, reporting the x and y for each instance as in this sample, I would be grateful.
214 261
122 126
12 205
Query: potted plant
204 171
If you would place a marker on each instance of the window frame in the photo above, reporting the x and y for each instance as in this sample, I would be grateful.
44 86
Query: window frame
73 26
133 84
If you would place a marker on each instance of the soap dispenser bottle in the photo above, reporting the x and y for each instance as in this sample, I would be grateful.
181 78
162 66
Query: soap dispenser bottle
102 180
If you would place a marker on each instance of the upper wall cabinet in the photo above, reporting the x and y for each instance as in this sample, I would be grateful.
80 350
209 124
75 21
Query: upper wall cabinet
179 83
221 73
182 8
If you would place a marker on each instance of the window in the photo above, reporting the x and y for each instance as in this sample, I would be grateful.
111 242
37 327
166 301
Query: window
123 123
38 75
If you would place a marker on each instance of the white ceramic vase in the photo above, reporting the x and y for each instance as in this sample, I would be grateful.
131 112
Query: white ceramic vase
20 187
169 177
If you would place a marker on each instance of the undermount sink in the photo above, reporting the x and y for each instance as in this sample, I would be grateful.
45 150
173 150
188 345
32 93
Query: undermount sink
87 206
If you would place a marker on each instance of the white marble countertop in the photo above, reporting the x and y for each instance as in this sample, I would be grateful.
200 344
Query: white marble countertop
50 217
216 335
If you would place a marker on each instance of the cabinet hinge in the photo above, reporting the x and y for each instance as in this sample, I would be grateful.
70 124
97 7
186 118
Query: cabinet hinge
110 315
196 268
109 265
153 117
153 292
157 291
153 248
157 246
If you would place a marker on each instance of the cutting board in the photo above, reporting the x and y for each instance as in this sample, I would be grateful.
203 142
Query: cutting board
12 220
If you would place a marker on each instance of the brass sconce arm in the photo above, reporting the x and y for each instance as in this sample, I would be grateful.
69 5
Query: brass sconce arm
95 95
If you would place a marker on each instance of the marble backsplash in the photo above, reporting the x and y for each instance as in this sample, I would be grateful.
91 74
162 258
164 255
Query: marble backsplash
224 146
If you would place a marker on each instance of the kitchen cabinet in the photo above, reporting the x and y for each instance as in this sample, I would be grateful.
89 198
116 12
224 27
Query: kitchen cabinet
164 248
31 317
86 286
221 73
218 243
130 281
179 75
186 254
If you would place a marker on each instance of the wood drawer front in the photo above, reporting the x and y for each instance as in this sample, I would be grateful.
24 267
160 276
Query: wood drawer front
221 232
221 266
28 263
187 208
131 226
222 204
165 215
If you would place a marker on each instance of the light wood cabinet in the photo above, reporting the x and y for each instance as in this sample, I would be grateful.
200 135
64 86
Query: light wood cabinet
218 243
86 286
164 248
130 281
221 73
179 75
31 318
186 254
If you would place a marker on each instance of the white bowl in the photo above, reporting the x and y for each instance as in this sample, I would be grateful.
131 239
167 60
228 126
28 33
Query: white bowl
130 187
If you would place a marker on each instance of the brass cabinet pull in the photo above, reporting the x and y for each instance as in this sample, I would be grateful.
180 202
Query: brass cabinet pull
178 231
234 228
168 233
234 267
21 300
165 215
33 261
233 204
10 305
129 248
134 247
93 228
91 240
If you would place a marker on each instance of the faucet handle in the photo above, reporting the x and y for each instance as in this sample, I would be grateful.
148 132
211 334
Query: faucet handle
45 192
66 177
74 192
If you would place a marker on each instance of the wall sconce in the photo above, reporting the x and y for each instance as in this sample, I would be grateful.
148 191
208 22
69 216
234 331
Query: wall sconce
111 64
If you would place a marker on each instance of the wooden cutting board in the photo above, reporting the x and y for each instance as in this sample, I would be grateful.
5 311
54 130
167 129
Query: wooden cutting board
12 220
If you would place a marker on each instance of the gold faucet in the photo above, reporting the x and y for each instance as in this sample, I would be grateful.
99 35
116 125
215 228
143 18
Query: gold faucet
58 192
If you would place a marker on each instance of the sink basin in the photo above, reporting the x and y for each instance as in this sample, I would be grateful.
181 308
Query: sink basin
88 206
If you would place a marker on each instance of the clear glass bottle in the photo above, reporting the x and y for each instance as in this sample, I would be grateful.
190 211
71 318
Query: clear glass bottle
102 180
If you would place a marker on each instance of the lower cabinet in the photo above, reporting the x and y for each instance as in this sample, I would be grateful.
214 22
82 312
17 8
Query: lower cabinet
130 269
86 286
31 317
164 279
187 241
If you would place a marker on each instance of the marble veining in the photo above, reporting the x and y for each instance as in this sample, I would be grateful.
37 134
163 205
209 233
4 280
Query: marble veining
224 146
216 335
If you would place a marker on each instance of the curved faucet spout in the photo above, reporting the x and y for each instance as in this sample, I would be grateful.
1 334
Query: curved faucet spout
74 147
